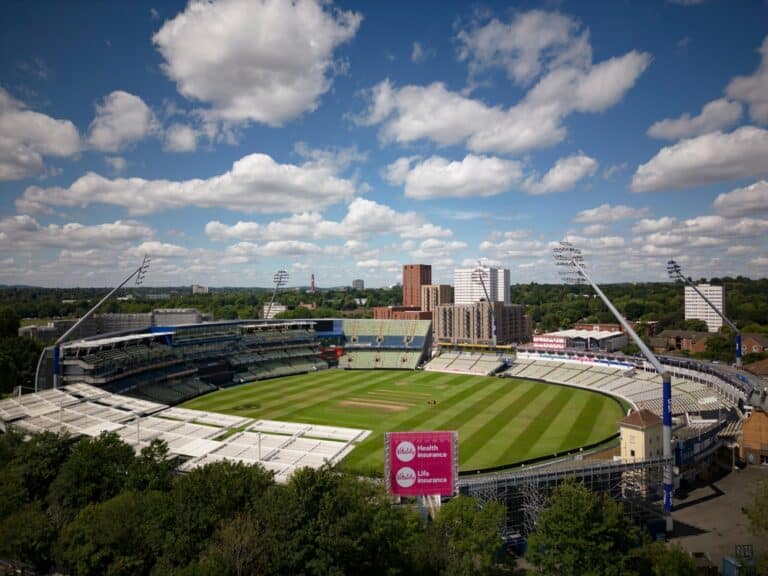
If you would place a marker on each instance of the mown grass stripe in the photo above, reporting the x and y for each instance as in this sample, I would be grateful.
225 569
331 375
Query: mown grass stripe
545 420
478 409
375 441
229 396
475 442
276 399
581 431
333 399
290 405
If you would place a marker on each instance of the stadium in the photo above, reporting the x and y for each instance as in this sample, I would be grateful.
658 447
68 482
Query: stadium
289 394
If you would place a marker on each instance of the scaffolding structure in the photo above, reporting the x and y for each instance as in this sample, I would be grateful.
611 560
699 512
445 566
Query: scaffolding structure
637 485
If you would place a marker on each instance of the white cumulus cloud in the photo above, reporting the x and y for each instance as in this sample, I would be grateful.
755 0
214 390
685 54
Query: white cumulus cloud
605 214
532 41
446 118
117 163
752 199
715 115
754 89
27 136
648 225
180 138
364 218
256 183
121 119
155 249
23 231
562 176
377 263
438 177
706 159
266 61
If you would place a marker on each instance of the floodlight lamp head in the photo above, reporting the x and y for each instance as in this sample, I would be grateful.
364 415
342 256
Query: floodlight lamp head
566 254
280 278
142 271
673 269
478 274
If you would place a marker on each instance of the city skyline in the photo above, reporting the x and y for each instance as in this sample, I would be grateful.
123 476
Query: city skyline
308 136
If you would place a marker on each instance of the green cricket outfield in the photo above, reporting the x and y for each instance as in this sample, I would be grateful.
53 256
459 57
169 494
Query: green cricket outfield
500 420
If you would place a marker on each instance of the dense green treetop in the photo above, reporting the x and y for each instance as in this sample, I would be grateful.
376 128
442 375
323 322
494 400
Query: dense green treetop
93 506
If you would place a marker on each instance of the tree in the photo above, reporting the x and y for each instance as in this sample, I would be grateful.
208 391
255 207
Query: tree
118 536
201 500
95 471
31 468
468 535
10 442
151 469
39 461
660 559
18 361
9 375
28 535
357 530
238 549
581 533
720 347
9 322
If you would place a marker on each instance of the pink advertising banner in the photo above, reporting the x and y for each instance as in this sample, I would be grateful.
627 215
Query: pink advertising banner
421 463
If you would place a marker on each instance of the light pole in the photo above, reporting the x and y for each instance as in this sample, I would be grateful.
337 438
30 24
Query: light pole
280 279
673 269
568 255
139 273
478 275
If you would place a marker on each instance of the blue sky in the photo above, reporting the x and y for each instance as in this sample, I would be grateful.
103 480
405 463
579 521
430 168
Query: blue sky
229 139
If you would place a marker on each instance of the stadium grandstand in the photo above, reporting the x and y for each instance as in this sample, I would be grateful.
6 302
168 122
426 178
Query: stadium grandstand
466 362
171 364
385 344
696 388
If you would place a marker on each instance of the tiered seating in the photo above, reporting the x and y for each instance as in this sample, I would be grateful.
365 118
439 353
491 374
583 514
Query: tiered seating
588 378
465 362
488 364
385 344
205 333
271 351
442 362
103 366
562 374
611 384
643 388
171 392
391 360
277 368
410 360
539 370
360 360
519 366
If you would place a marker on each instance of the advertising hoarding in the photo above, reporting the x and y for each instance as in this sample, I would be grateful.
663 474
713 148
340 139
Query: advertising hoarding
421 463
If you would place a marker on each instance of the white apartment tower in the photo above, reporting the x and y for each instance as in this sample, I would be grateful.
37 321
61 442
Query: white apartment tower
697 309
467 287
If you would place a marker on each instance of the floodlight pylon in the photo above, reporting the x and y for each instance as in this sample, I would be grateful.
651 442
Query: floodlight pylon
478 274
675 273
279 279
566 254
139 273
